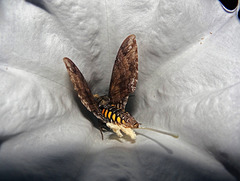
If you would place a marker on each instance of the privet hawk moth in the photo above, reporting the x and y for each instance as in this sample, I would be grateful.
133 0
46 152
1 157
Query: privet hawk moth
110 109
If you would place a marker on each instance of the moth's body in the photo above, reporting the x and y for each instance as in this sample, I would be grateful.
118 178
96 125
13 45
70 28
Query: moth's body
116 118
113 113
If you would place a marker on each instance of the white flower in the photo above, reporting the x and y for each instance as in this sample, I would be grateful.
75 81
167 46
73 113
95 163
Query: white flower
189 71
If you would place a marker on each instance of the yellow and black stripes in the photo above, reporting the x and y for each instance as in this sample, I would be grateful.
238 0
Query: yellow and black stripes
113 114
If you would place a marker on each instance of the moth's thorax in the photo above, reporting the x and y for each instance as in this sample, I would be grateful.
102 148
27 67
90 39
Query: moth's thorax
118 116
105 100
101 100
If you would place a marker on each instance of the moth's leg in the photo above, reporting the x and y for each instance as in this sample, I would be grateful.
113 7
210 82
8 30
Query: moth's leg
102 127
101 131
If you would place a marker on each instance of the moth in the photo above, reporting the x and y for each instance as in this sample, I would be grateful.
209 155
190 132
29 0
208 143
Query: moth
110 109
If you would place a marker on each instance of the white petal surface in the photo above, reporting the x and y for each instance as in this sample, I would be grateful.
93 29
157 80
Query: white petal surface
189 71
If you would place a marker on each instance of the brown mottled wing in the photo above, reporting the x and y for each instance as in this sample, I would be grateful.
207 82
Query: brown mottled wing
125 72
81 86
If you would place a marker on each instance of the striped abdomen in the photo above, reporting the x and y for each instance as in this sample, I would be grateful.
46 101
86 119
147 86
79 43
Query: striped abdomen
118 116
113 115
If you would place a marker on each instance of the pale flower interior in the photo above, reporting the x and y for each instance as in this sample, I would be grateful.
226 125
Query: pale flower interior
188 84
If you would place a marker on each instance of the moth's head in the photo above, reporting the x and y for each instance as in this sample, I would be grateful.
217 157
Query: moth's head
130 122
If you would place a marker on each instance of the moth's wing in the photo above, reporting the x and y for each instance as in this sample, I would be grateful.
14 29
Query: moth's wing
125 72
81 86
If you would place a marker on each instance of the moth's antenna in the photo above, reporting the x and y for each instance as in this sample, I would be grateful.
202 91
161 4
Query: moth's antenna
160 131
